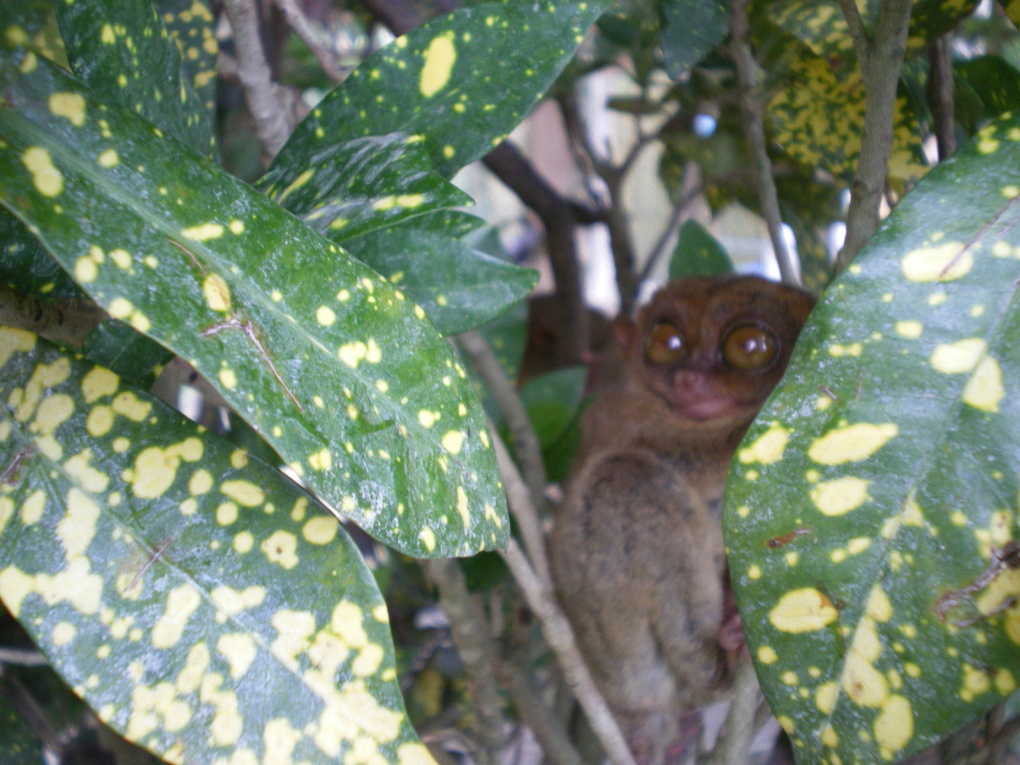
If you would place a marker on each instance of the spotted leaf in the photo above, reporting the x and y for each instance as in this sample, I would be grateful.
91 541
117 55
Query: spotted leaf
177 584
692 29
817 115
459 287
820 23
330 363
462 82
872 512
361 185
123 51
190 23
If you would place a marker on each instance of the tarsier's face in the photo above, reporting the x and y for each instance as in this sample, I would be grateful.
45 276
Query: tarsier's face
715 348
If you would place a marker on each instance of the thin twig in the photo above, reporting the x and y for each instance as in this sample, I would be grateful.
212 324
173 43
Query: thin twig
560 637
268 102
754 131
672 226
620 243
529 523
471 635
311 37
522 434
880 58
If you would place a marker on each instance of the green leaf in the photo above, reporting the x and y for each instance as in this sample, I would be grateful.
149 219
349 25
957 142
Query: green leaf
698 253
459 287
871 512
18 746
462 82
554 403
190 22
125 351
122 51
326 360
178 584
26 266
693 28
993 81
355 186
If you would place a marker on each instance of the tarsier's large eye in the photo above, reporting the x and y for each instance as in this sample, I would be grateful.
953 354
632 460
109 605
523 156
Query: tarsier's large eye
665 344
750 347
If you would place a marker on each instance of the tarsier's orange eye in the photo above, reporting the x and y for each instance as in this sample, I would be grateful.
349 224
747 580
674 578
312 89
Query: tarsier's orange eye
750 347
665 344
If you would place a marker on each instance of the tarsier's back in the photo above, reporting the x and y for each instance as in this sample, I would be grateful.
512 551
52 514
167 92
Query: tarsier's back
637 550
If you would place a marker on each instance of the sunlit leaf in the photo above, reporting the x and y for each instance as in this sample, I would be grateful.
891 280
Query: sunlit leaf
462 82
123 52
340 373
199 601
361 185
871 513
698 253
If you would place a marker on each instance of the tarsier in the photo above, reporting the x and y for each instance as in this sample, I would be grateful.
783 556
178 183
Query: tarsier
637 549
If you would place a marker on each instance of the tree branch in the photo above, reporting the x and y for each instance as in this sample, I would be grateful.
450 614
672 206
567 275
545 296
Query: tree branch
940 95
271 105
880 59
754 131
312 38
560 220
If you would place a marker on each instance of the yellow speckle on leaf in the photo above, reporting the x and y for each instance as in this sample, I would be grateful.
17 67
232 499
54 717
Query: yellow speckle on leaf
109 158
959 357
203 233
453 440
69 105
984 389
909 329
767 655
243 492
851 443
428 538
180 605
320 530
440 57
239 650
943 262
217 293
427 418
321 460
841 495
863 684
325 315
281 548
826 696
768 447
803 610
894 726
46 178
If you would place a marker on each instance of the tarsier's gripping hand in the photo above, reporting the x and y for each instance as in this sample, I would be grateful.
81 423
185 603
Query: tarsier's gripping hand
637 550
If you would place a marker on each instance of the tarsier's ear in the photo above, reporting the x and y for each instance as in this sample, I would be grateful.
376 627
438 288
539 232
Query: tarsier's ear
626 332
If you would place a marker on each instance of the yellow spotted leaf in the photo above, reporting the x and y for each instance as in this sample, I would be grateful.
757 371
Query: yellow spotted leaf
883 541
203 604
